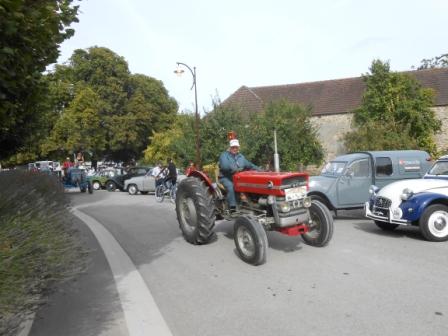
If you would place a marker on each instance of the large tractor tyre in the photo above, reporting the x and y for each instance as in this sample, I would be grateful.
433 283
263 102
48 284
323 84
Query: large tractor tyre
96 185
434 223
111 186
250 240
386 226
195 211
132 189
321 226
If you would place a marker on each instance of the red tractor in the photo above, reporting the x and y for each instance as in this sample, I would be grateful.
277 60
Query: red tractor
266 201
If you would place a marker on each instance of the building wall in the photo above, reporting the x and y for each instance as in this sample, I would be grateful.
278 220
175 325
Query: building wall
442 137
331 128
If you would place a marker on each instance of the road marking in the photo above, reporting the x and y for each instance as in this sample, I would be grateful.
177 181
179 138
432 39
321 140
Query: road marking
140 310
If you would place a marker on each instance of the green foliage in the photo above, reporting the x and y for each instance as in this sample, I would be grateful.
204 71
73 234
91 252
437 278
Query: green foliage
38 245
177 142
396 104
30 34
108 112
214 129
297 139
435 62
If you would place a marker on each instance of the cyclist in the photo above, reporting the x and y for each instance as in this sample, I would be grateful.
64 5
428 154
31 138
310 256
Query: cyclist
171 173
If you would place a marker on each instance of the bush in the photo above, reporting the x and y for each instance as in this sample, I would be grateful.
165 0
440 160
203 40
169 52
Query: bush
38 246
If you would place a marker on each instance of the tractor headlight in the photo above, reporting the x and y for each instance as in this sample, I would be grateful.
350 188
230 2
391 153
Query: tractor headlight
306 202
406 194
284 207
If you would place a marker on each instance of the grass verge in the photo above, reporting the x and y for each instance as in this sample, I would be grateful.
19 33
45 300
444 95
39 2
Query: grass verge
38 245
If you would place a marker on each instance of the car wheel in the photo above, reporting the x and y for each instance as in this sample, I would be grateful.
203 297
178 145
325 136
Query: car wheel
132 189
386 226
96 185
434 223
111 186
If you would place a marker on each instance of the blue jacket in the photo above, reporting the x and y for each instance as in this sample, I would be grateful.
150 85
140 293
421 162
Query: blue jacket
229 164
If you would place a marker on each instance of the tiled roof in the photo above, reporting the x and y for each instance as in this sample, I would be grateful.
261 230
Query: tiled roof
331 96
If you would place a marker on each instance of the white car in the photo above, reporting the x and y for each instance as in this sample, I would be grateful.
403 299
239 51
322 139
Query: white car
418 202
144 184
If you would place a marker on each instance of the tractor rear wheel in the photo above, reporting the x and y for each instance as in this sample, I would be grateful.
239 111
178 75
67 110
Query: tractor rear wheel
195 211
321 226
250 240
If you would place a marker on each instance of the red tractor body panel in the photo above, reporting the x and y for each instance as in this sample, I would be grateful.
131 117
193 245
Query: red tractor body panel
267 183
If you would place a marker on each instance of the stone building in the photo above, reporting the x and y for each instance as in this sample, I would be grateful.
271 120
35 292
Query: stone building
333 101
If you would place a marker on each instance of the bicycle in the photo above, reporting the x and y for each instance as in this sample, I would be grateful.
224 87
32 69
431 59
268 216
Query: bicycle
162 190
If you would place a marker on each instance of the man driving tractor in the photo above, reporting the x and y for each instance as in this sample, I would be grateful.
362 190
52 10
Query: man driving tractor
230 162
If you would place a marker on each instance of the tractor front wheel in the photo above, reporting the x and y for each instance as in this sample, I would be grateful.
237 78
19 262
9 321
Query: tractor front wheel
320 227
250 240
195 211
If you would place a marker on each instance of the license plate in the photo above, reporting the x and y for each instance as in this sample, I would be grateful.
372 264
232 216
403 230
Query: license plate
293 194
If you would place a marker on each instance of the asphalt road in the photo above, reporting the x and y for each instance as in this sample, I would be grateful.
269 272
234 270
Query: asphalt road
365 282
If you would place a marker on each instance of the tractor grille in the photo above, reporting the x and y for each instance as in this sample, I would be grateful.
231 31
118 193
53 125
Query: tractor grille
382 202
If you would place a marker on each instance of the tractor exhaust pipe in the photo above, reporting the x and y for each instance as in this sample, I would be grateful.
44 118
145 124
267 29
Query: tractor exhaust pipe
276 156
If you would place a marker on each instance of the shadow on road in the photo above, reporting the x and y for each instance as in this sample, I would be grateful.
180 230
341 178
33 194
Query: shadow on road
401 231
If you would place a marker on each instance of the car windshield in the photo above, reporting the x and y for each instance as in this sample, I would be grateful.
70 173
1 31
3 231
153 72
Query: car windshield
439 168
333 168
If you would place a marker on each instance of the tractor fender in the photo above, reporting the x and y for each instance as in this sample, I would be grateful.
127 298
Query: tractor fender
201 175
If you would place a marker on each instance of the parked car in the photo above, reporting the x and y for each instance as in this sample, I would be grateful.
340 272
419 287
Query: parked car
418 202
117 181
145 184
100 178
344 182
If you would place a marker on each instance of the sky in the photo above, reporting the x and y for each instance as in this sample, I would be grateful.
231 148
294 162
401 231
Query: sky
259 42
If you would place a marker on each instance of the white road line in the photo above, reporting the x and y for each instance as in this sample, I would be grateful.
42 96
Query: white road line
140 310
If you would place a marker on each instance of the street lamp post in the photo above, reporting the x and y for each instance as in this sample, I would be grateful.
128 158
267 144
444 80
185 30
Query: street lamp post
179 72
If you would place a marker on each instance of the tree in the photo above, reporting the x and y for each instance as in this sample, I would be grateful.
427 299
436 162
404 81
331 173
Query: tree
297 139
177 142
435 62
79 128
130 108
395 113
214 128
30 35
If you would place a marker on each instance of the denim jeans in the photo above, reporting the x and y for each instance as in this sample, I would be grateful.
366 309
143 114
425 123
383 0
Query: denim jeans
228 184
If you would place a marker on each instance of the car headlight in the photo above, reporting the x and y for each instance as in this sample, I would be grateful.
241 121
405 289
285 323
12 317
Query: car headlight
406 194
373 189
397 213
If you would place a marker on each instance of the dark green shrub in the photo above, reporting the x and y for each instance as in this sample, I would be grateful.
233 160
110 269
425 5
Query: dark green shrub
38 246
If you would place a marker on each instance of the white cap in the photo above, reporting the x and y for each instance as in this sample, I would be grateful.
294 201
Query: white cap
234 142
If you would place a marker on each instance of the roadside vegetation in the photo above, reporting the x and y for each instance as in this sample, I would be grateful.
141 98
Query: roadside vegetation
395 113
38 245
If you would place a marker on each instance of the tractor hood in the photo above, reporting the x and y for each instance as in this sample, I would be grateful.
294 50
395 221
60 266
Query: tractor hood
269 183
